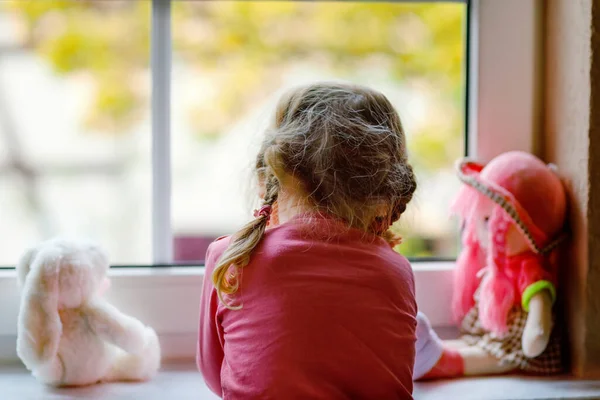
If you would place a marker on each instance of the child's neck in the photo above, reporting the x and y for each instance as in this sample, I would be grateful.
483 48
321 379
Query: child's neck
290 213
290 203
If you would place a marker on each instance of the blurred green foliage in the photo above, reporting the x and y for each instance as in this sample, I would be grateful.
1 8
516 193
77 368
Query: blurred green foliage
412 246
251 43
108 41
247 47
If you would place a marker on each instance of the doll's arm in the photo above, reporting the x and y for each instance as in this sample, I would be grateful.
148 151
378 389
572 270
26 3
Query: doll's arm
537 297
111 325
535 276
539 324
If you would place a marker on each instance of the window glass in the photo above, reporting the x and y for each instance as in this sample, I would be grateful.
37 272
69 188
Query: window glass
231 61
74 125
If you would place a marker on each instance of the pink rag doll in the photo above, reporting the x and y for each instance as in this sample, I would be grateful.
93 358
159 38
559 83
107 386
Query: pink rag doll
513 214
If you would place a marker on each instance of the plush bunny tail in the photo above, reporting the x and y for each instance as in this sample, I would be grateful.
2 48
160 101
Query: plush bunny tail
137 367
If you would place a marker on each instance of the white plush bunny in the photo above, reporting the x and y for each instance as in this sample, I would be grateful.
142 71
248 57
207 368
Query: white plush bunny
68 335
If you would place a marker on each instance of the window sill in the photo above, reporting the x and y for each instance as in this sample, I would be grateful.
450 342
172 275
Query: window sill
182 381
510 387
167 299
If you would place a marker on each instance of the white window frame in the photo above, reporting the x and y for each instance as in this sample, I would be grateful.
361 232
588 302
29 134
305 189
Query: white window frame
503 111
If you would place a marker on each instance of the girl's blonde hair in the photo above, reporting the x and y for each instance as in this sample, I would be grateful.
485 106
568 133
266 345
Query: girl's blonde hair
346 145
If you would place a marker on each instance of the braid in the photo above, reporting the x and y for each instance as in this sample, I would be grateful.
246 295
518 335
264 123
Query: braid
227 271
381 225
272 191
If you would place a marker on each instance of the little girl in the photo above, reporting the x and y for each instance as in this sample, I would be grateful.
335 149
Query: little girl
309 301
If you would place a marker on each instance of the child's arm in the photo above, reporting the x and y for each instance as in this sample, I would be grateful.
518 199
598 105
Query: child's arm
209 355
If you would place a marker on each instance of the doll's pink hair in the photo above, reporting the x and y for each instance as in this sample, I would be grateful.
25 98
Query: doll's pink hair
497 288
472 258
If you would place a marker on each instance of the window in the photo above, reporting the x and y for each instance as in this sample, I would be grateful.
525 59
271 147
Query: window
112 103
74 129
232 60
83 165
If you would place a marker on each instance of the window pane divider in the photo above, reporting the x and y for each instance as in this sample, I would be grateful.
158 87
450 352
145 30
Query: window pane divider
162 237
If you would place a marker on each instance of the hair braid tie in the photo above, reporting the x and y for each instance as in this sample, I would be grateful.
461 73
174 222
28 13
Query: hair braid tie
264 211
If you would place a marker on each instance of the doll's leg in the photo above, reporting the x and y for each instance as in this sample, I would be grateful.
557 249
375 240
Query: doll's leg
455 344
428 347
478 362
433 358
436 359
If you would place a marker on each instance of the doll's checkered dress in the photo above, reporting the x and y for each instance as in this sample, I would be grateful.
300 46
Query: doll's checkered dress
508 348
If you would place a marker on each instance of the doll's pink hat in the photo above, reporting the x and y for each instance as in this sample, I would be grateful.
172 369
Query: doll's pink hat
529 191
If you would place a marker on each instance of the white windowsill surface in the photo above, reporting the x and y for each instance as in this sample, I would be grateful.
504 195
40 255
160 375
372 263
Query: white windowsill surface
510 387
182 381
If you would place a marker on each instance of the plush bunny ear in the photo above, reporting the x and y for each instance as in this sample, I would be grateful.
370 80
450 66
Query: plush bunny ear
39 325
24 265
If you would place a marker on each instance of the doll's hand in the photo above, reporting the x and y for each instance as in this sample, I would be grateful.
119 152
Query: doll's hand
538 326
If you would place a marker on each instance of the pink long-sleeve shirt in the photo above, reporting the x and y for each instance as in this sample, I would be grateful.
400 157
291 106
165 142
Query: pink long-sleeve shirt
327 314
